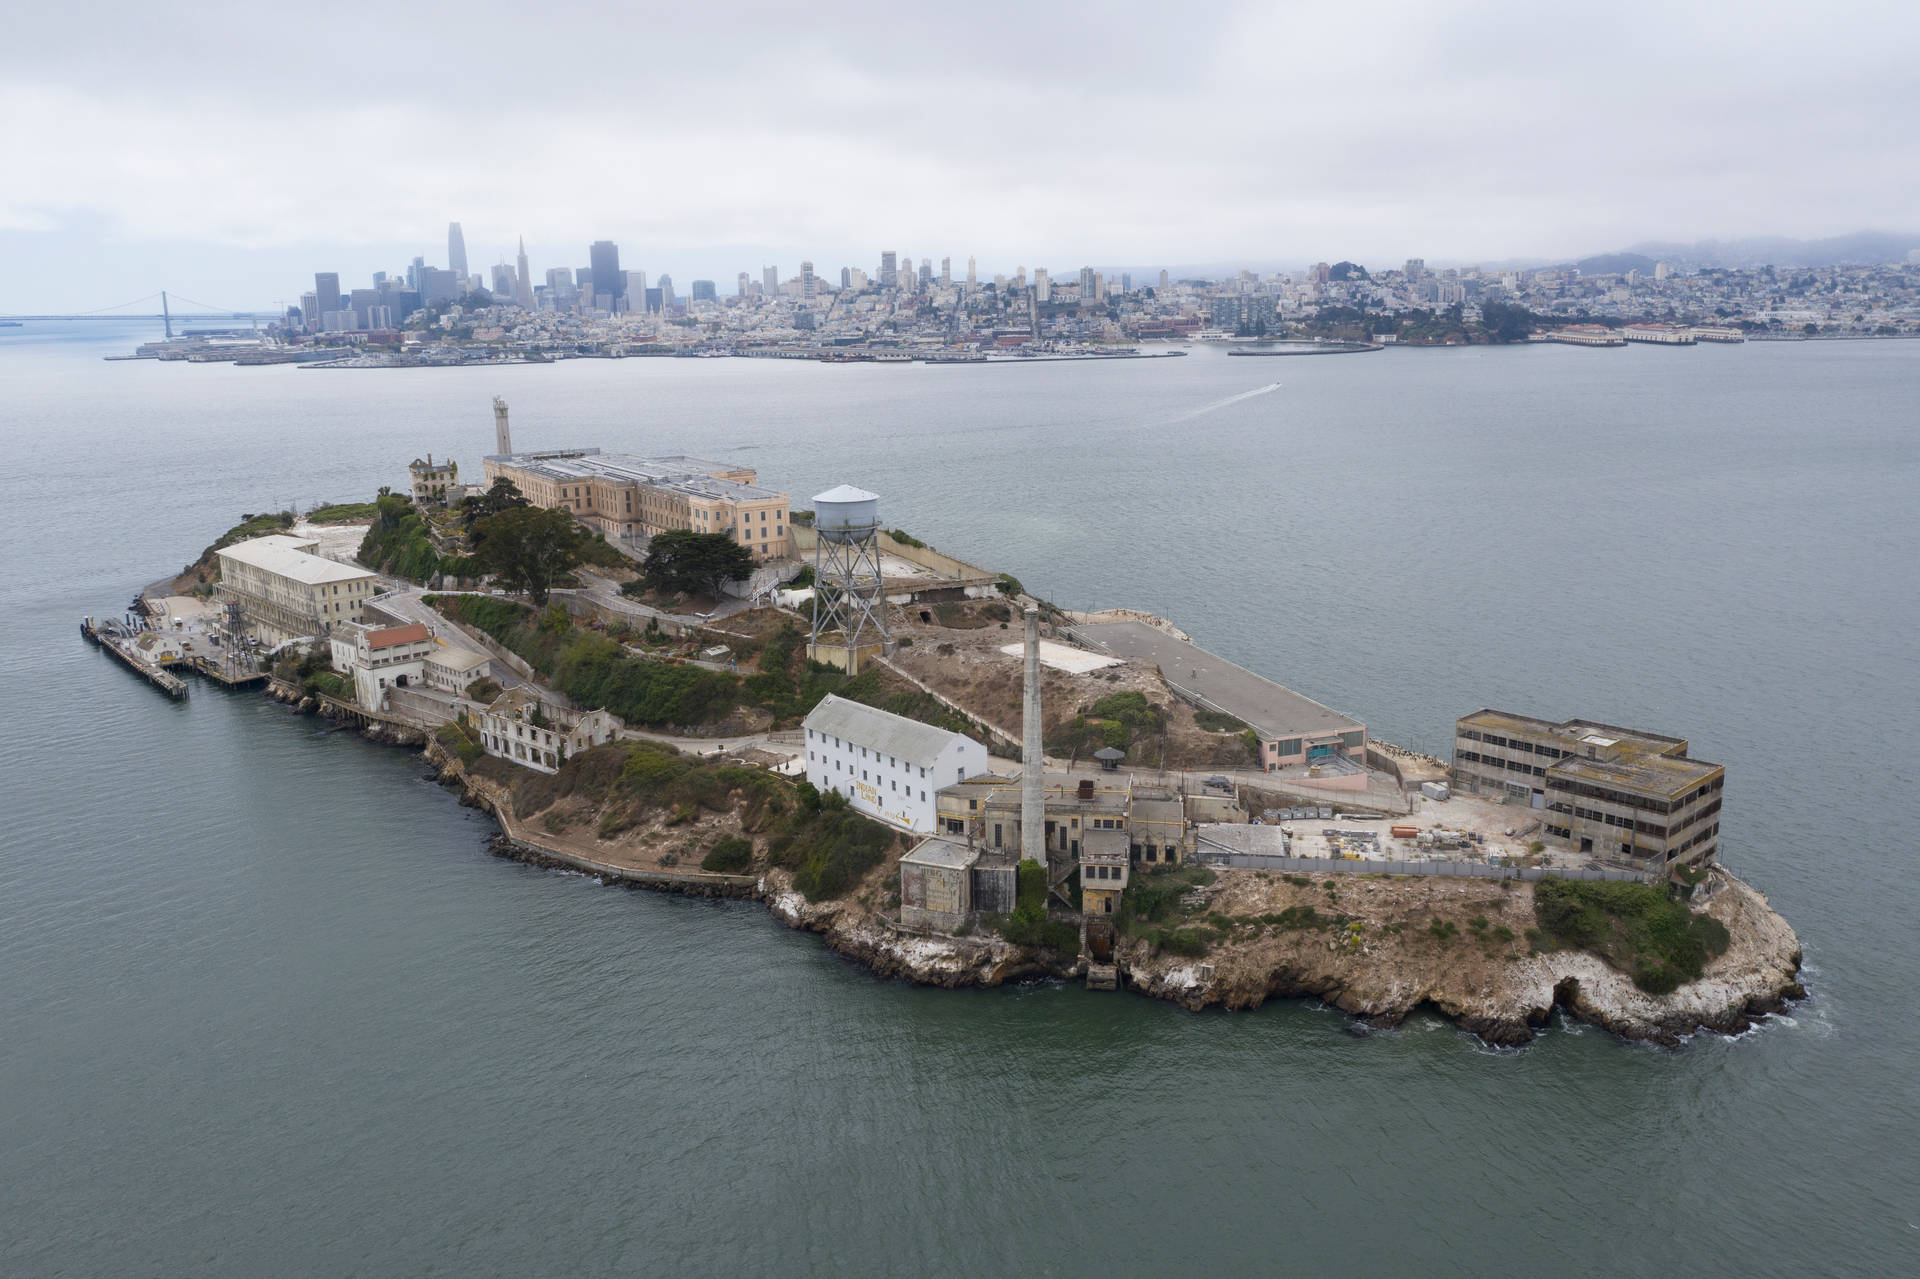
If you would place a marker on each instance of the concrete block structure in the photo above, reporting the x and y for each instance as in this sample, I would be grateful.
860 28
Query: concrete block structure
1076 810
628 497
454 670
936 885
285 591
1614 792
889 767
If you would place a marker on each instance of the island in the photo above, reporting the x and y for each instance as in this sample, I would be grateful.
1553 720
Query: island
654 671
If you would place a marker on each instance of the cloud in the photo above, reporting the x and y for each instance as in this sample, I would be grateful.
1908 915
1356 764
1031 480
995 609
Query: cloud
708 138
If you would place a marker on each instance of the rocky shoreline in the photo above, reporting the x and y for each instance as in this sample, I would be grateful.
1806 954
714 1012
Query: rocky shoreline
1503 999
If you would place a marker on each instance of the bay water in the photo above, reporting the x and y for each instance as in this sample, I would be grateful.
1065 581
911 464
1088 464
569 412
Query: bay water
267 1006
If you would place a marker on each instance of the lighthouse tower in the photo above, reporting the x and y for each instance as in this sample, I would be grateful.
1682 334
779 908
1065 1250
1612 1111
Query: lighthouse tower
502 438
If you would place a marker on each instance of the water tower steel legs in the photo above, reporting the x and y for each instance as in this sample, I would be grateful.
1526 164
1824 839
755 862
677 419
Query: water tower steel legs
1033 814
848 596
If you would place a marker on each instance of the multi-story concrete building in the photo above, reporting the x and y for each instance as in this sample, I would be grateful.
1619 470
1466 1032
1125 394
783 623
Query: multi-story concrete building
285 591
454 670
888 766
380 657
432 480
626 496
1611 791
518 726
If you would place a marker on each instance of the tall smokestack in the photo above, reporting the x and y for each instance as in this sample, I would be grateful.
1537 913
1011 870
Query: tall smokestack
502 438
1033 806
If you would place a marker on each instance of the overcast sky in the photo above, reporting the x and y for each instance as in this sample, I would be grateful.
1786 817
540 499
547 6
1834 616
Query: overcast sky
226 152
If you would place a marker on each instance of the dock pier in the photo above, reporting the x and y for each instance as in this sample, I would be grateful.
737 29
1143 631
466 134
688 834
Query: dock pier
108 638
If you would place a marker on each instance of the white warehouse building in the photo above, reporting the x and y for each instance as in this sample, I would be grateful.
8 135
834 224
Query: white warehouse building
888 766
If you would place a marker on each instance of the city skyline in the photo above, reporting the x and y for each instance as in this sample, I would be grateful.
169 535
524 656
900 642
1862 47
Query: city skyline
1243 134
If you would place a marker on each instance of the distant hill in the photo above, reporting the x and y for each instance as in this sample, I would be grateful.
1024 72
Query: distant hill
1862 248
1615 264
1341 271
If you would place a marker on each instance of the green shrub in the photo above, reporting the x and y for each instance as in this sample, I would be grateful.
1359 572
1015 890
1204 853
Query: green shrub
1442 929
1636 928
1188 942
730 855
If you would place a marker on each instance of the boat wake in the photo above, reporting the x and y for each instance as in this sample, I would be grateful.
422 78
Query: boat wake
1231 399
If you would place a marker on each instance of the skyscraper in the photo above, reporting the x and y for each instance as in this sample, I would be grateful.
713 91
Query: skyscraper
504 288
743 284
523 293
608 282
457 252
1086 284
326 290
806 279
946 273
972 278
846 277
888 268
770 280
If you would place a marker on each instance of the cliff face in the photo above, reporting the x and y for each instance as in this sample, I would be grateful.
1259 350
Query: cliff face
1501 991
850 930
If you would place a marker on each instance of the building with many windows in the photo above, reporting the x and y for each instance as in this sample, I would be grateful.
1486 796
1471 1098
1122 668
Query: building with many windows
1610 791
285 591
888 766
518 726
626 496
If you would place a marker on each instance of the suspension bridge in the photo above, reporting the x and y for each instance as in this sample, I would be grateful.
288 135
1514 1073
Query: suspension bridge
163 301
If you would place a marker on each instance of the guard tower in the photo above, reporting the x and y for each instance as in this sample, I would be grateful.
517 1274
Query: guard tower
849 604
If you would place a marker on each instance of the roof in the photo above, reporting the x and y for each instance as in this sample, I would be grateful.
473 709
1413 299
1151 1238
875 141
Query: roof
846 493
1666 776
881 731
458 659
946 854
1239 837
1577 730
690 475
1272 710
392 635
289 557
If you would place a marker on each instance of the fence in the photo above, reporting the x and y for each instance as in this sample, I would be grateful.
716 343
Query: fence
1465 870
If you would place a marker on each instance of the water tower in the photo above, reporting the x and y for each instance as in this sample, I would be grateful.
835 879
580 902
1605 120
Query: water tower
849 606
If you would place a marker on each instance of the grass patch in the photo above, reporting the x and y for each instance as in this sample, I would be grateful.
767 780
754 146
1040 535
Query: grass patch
1635 928
1219 722
457 738
344 513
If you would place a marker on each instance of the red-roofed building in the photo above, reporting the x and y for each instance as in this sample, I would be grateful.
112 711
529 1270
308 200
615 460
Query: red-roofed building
380 658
